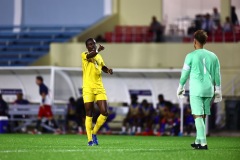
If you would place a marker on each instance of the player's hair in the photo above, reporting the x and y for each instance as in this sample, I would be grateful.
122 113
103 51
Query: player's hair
201 36
89 39
40 78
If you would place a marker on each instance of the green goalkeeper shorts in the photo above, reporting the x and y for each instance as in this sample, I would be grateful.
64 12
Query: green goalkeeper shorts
200 105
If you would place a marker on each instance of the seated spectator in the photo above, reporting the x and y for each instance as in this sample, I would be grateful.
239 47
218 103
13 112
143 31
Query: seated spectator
227 26
3 107
157 29
234 17
208 24
146 119
132 119
80 115
189 123
100 38
20 99
216 16
167 121
191 29
71 114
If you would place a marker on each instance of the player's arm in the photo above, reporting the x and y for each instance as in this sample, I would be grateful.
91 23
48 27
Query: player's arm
217 75
217 81
184 76
185 70
93 53
107 70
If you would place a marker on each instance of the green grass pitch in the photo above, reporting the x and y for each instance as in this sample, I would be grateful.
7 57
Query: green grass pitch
73 147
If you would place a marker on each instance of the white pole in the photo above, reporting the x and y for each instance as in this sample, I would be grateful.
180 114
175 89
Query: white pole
181 116
206 124
52 80
17 15
107 7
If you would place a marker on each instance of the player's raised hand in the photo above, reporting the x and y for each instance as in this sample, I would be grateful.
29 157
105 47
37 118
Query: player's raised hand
180 92
100 48
110 71
217 94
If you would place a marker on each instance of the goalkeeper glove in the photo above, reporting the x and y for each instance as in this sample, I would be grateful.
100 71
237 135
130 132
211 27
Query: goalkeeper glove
217 94
180 91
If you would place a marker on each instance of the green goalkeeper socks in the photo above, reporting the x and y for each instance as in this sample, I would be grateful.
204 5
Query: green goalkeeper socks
201 131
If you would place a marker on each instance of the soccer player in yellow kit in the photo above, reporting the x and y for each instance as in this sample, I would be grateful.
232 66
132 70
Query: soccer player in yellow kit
93 89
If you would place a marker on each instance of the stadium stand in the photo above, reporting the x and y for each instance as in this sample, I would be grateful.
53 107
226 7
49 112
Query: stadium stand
218 36
129 34
141 34
22 45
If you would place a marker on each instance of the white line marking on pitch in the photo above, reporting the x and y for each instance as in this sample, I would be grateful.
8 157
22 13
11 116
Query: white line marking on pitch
89 150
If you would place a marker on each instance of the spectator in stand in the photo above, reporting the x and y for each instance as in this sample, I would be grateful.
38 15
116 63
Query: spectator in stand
100 38
191 29
216 16
198 21
20 100
3 107
132 118
157 29
227 26
208 24
234 17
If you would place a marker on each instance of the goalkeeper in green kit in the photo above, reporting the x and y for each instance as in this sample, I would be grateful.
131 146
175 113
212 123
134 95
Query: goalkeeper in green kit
205 85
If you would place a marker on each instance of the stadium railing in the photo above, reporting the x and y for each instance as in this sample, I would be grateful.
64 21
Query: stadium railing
27 114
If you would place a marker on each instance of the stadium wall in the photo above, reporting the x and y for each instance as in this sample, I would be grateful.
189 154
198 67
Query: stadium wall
6 8
139 12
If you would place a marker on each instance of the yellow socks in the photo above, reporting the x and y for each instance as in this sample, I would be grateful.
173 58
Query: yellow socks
100 121
88 124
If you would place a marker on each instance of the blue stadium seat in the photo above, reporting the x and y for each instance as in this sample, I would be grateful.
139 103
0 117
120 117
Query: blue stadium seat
31 42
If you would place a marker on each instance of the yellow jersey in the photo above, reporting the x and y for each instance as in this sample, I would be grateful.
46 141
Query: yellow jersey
92 69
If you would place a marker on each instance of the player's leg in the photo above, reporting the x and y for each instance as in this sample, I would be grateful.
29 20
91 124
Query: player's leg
102 104
88 98
39 120
197 106
88 121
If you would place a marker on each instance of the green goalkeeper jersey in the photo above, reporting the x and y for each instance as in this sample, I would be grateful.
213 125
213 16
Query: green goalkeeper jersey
204 70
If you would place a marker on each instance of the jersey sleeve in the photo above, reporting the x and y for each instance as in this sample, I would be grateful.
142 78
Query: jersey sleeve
186 70
84 56
217 75
101 61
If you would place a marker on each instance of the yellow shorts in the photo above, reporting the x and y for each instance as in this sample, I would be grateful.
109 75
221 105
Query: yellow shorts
94 94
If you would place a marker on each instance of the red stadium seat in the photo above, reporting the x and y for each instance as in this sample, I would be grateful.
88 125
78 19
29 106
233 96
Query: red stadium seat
138 38
128 38
187 39
210 38
119 29
237 37
109 36
218 38
228 37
